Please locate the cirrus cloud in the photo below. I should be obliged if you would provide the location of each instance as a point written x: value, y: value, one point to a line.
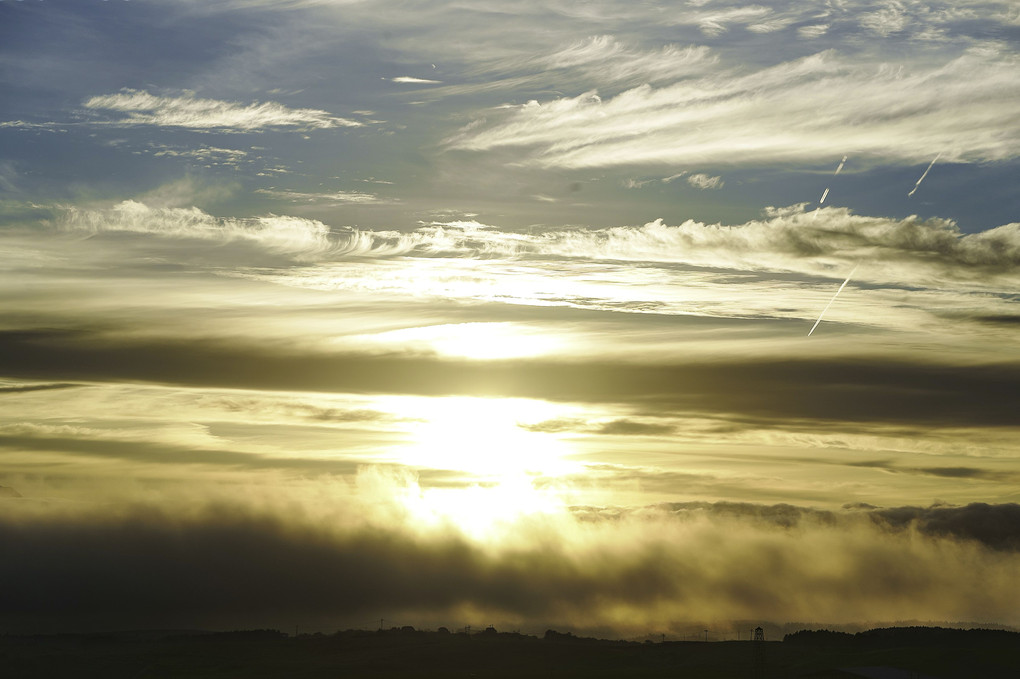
x: 275, y: 233
x: 795, y: 111
x: 188, y: 111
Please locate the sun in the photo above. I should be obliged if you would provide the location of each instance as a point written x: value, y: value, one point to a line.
x: 487, y: 437
x: 502, y: 468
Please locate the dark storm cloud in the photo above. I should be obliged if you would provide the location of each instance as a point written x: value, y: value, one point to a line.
x: 224, y: 564
x: 994, y: 526
x: 997, y: 526
x: 864, y: 389
x: 231, y: 565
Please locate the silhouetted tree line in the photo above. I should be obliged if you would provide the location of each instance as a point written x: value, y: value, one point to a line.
x: 904, y: 636
x: 243, y: 635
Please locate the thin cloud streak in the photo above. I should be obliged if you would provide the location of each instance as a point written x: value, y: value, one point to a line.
x: 188, y: 111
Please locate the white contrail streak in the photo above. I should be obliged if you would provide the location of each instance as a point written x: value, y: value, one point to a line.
x: 838, y: 168
x: 833, y: 299
x: 924, y: 175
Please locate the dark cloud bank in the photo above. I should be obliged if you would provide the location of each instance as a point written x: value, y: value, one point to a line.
x: 849, y: 389
x: 227, y: 566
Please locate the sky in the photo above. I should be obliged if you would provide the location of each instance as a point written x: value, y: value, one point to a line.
x: 614, y: 317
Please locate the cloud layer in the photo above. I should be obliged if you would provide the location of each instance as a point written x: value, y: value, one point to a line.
x: 808, y: 110
x: 231, y: 564
x: 825, y: 390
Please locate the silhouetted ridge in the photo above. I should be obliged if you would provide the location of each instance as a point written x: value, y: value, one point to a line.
x: 904, y: 636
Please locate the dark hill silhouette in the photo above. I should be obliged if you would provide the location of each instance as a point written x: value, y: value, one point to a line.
x: 405, y: 652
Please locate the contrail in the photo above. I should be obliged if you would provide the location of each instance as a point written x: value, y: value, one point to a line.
x: 840, y: 167
x: 924, y: 175
x: 833, y: 299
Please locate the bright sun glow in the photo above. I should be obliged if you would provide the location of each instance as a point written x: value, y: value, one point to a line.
x: 486, y: 437
x: 510, y: 470
x: 481, y: 512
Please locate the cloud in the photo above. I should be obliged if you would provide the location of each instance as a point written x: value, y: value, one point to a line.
x: 6, y: 388
x: 713, y: 23
x: 209, y: 154
x: 187, y: 111
x: 230, y: 563
x: 1004, y: 319
x: 278, y: 234
x: 336, y: 197
x: 137, y: 453
x: 836, y: 392
x: 632, y: 428
x: 813, y: 31
x: 886, y: 21
x: 943, y: 472
x: 41, y: 127
x: 807, y: 110
x: 616, y: 427
x: 608, y: 59
x: 909, y: 251
x: 703, y: 181
x: 997, y: 526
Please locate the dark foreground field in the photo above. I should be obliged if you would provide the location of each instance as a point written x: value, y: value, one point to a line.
x: 883, y: 654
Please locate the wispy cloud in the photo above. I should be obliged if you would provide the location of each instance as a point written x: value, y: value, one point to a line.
x: 281, y: 234
x: 703, y: 181
x: 798, y: 110
x: 335, y: 197
x: 188, y: 111
x: 23, y: 125
x: 207, y: 154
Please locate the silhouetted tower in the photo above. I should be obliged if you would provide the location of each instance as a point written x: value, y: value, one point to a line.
x: 759, y: 653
